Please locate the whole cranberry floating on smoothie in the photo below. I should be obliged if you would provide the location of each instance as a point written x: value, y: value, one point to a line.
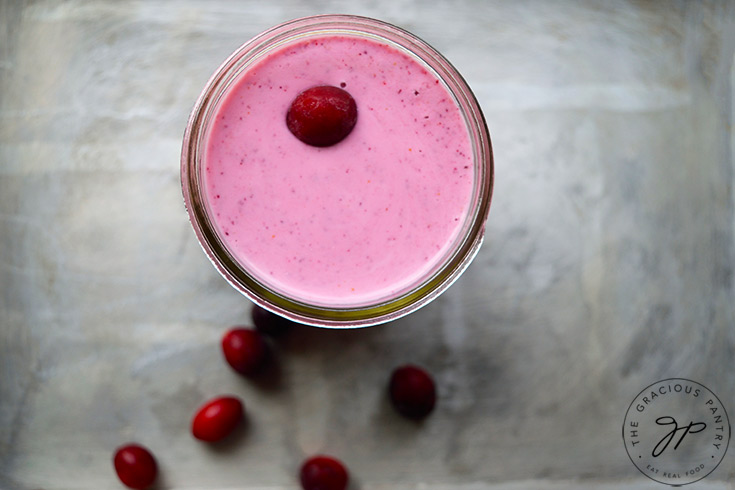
x: 217, y: 418
x: 412, y: 391
x: 245, y: 350
x: 323, y: 473
x: 322, y: 116
x: 135, y: 466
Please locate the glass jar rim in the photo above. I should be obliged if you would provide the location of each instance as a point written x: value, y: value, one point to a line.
x: 429, y: 287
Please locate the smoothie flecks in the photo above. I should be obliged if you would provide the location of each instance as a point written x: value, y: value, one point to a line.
x: 347, y: 224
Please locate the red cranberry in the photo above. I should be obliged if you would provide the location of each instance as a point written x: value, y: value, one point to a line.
x: 412, y: 391
x: 269, y: 323
x: 245, y: 350
x: 217, y: 418
x: 135, y: 466
x: 323, y: 473
x: 322, y: 116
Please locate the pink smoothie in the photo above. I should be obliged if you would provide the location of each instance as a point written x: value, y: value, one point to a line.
x: 356, y: 222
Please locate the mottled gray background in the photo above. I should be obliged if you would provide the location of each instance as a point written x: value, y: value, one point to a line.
x: 608, y: 263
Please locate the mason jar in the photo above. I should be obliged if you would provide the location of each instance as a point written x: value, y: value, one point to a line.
x: 319, y: 250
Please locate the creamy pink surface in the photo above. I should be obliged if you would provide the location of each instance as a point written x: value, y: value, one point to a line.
x: 355, y: 222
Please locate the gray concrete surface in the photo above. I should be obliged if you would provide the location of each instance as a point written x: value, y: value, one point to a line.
x: 608, y: 263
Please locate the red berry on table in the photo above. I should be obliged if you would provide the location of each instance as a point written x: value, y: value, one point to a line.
x: 323, y: 473
x: 269, y: 323
x: 412, y: 391
x: 322, y: 116
x: 245, y: 350
x: 135, y: 466
x: 217, y: 418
